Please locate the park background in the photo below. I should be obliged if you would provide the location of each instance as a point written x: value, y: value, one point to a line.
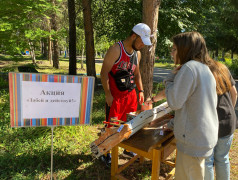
x: 72, y: 37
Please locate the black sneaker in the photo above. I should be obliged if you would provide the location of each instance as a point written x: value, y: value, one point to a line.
x: 131, y: 154
x: 106, y: 159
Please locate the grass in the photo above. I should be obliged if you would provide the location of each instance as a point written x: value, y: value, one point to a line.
x: 25, y: 152
x: 164, y: 65
x: 42, y: 66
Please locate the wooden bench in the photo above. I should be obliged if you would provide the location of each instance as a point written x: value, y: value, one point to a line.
x: 146, y: 143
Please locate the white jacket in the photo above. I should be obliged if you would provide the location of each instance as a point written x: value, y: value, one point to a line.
x: 192, y: 94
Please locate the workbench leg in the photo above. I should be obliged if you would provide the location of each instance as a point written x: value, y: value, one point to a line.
x: 156, y: 159
x: 114, y: 162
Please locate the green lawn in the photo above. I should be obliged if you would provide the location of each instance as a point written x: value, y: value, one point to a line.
x: 7, y: 64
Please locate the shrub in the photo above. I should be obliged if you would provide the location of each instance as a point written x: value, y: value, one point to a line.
x: 233, y: 66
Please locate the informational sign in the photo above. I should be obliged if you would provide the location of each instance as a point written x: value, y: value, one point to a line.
x: 50, y: 100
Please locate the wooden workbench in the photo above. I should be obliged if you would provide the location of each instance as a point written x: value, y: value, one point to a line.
x: 146, y: 143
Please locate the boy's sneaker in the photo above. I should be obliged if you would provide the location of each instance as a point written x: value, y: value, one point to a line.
x: 129, y: 153
x: 106, y: 159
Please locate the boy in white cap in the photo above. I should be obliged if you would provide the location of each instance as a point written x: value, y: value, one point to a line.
x: 120, y: 74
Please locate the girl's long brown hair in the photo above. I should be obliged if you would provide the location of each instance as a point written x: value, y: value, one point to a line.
x: 222, y: 77
x: 192, y: 46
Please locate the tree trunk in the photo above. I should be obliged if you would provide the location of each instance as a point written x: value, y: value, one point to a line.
x: 56, y: 54
x: 33, y: 56
x: 216, y: 54
x: 232, y: 54
x: 88, y: 30
x: 49, y: 45
x: 42, y: 46
x: 72, y: 38
x: 150, y: 17
x: 45, y: 48
x: 49, y: 49
x: 223, y: 55
x: 55, y: 39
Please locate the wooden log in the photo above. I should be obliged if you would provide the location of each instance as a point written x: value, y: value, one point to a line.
x: 114, y: 135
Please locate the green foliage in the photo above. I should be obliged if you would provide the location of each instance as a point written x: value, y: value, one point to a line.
x: 174, y: 17
x: 219, y: 26
x: 228, y: 62
x: 25, y: 21
x: 80, y: 42
x: 18, y: 23
x: 3, y: 81
x: 102, y: 44
x: 233, y: 67
x: 116, y: 18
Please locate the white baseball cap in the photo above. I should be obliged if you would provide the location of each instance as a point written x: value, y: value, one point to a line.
x: 144, y: 32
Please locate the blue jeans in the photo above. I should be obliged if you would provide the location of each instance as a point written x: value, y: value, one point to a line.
x: 220, y: 158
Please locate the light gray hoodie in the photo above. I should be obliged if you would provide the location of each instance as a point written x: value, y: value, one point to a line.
x: 192, y: 94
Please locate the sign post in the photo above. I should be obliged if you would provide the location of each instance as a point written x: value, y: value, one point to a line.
x: 51, y: 164
x: 39, y: 100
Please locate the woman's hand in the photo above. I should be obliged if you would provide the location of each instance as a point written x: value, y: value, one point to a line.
x: 148, y: 101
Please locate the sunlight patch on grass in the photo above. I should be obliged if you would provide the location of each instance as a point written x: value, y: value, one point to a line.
x: 164, y: 65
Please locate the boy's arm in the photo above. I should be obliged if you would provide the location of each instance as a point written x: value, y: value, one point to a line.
x: 111, y: 56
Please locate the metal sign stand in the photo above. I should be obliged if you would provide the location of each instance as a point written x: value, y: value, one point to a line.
x: 51, y: 173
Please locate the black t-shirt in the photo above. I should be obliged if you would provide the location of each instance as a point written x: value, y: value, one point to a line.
x: 226, y: 114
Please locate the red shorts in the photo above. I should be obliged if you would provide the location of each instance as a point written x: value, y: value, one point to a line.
x: 121, y: 106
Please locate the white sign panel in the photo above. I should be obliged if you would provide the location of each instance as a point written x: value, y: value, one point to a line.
x: 52, y: 99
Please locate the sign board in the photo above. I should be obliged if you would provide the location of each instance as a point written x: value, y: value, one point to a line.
x: 50, y: 100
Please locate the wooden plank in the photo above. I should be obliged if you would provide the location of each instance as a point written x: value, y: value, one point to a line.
x: 108, y: 140
x: 124, y: 166
x: 149, y: 137
x: 112, y: 137
x: 137, y: 151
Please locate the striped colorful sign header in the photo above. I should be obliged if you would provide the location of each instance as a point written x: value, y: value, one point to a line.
x: 50, y: 100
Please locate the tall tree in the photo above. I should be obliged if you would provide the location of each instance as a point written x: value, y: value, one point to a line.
x: 72, y: 38
x: 54, y: 27
x: 150, y: 17
x: 88, y: 29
